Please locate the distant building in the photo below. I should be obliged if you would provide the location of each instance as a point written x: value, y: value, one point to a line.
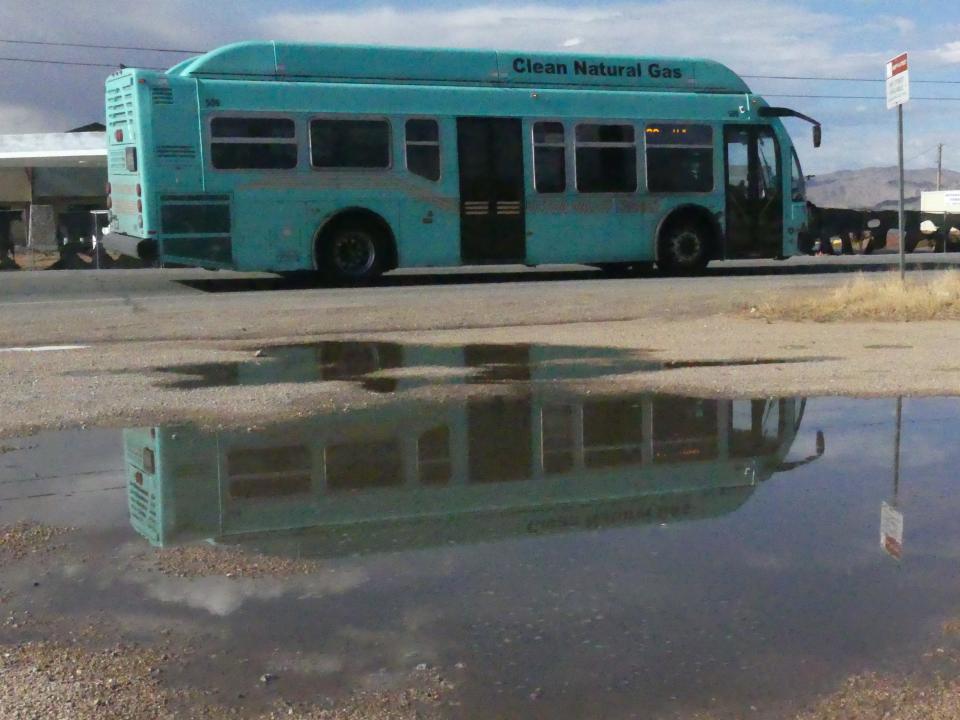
x: 49, y: 183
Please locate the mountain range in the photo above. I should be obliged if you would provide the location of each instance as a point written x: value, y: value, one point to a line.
x: 875, y: 188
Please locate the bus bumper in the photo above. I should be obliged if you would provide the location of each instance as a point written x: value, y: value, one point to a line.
x: 143, y: 248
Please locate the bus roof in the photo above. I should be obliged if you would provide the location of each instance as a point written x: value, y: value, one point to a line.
x: 269, y: 60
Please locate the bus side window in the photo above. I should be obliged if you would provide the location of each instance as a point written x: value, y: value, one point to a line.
x: 253, y: 143
x: 423, y: 148
x: 679, y: 158
x: 549, y: 162
x: 606, y: 157
x: 350, y: 143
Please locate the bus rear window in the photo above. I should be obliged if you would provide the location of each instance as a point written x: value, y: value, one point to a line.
x: 253, y: 143
x: 679, y: 158
x: 350, y: 143
x: 606, y: 157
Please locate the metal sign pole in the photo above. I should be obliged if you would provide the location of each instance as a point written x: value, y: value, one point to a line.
x: 898, y: 93
x: 903, y: 238
x: 896, y: 451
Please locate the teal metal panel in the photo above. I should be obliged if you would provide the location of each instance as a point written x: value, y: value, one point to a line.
x: 361, y: 63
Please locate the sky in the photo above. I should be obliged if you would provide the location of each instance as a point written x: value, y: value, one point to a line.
x: 838, y: 38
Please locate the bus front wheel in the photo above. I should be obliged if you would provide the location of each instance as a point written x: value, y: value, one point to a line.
x: 352, y: 251
x: 684, y: 247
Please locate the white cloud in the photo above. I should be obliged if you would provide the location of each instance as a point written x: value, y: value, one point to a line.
x: 949, y: 53
x: 222, y: 596
x: 17, y: 118
x: 752, y: 36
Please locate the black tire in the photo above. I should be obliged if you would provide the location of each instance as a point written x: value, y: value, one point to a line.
x: 353, y: 251
x: 684, y: 247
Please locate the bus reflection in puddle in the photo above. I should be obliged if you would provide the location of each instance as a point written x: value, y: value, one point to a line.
x: 412, y: 475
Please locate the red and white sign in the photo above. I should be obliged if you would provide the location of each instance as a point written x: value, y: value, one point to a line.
x: 898, y: 81
x: 891, y: 531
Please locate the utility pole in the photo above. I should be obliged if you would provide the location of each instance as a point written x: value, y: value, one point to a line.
x: 939, y: 164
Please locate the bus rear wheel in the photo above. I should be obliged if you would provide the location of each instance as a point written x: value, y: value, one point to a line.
x: 683, y: 247
x: 353, y: 251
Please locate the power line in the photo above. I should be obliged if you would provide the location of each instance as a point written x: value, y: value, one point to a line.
x: 138, y: 48
x: 75, y: 63
x: 920, y: 154
x: 99, y: 47
x: 850, y: 97
x: 806, y: 96
x: 843, y: 79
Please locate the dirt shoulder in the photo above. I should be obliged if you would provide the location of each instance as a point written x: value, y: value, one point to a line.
x: 120, y: 384
x: 694, y: 336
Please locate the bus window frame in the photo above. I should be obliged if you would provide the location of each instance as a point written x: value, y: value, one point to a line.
x: 606, y: 121
x: 796, y: 166
x: 210, y: 140
x: 406, y: 145
x: 778, y: 156
x: 355, y: 116
x: 566, y: 156
x: 713, y: 146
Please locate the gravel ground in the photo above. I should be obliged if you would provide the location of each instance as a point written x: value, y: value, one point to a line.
x: 57, y: 680
x: 22, y: 540
x: 68, y: 680
x: 207, y: 561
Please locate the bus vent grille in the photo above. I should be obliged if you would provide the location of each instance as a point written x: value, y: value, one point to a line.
x: 176, y: 151
x: 162, y: 95
x: 119, y: 107
x: 117, y: 159
x: 143, y: 510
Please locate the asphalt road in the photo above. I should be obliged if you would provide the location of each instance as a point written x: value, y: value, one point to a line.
x: 79, y: 287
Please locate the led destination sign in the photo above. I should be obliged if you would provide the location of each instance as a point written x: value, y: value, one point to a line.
x: 591, y: 68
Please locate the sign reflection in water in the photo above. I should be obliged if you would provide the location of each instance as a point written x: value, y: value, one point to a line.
x: 408, y: 474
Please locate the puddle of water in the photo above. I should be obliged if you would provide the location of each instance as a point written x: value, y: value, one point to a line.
x: 386, y: 367
x: 570, y: 553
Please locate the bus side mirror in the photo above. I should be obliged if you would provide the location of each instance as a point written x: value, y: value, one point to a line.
x: 817, y: 136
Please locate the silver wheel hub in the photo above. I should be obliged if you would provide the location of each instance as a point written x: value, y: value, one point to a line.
x: 354, y: 252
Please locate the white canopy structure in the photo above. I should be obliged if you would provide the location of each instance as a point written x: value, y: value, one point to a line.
x: 78, y: 149
x: 49, y: 183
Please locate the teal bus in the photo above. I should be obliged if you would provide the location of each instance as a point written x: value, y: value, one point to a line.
x: 351, y: 161
x: 408, y: 475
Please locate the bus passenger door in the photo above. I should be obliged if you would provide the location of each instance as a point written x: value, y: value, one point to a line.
x: 490, y: 155
x: 754, y: 206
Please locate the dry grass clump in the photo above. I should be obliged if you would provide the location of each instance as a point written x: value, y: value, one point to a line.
x: 930, y: 297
